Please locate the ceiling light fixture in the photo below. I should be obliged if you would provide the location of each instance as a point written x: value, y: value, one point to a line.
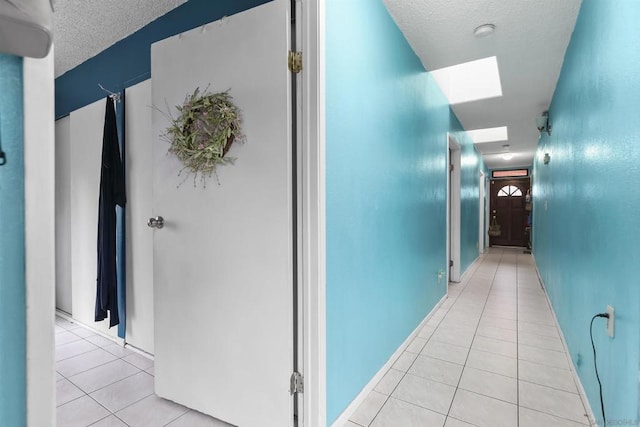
x: 484, y: 30
x: 507, y: 155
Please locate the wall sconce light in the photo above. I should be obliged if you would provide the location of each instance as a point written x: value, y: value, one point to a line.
x: 543, y: 124
x: 546, y: 159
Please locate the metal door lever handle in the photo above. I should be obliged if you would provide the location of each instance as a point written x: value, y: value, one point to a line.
x: 157, y: 222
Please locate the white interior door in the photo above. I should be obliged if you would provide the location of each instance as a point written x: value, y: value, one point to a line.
x: 223, y: 298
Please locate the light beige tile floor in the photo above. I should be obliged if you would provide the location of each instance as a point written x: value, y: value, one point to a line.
x: 490, y: 356
x: 102, y: 384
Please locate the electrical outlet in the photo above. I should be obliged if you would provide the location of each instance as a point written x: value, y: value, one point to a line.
x: 610, y: 321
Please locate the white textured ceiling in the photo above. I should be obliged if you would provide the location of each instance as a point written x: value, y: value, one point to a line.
x: 84, y: 28
x: 529, y: 41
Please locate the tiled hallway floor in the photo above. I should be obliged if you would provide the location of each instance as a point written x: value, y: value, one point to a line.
x: 490, y: 356
x: 101, y: 384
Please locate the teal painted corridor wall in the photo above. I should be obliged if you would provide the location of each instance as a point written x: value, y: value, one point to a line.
x: 386, y: 175
x: 471, y: 165
x: 586, y: 202
x: 12, y: 248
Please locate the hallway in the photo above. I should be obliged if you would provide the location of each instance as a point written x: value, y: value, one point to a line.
x: 491, y: 355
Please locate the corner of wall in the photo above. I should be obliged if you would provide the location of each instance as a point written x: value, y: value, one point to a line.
x: 39, y: 152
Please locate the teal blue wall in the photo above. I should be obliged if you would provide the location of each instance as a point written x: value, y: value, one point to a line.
x: 471, y: 165
x: 586, y: 240
x: 12, y: 249
x: 386, y: 174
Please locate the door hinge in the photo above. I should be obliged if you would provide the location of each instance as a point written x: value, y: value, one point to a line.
x: 450, y: 263
x: 295, y: 62
x: 297, y: 383
x: 451, y: 168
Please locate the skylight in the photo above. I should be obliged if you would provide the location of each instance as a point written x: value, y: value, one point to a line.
x: 470, y: 81
x: 489, y: 134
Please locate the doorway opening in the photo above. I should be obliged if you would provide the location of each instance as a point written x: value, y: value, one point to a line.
x: 482, y: 210
x: 509, y: 208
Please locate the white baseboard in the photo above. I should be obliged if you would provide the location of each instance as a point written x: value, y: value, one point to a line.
x: 472, y: 267
x: 353, y: 406
x: 574, y: 372
x: 116, y: 340
x: 66, y: 316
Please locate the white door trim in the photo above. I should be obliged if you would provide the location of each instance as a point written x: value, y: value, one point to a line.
x: 39, y: 226
x: 453, y: 209
x: 313, y: 217
x: 487, y: 207
x: 481, y: 204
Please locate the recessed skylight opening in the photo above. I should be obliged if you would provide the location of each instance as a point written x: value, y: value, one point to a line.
x: 470, y: 81
x: 489, y: 134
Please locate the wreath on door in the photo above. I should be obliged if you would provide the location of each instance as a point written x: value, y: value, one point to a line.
x: 200, y: 137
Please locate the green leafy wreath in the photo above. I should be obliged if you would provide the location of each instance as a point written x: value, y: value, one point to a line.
x: 203, y: 132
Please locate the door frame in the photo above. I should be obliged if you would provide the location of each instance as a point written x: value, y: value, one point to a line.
x: 487, y: 211
x: 311, y: 81
x: 481, y: 220
x: 39, y: 226
x: 454, y: 155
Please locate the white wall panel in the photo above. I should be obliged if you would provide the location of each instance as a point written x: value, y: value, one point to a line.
x: 139, y: 165
x: 63, y: 213
x: 39, y: 183
x: 87, y: 125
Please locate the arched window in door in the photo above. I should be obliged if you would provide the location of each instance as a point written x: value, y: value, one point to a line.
x: 510, y: 191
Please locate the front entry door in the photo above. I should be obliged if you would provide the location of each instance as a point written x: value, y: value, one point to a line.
x: 223, y: 269
x: 508, y: 205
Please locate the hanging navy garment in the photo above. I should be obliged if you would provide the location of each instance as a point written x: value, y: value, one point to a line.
x: 112, y: 193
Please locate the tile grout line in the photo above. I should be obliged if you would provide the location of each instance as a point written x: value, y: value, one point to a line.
x: 474, y: 336
x: 108, y: 385
x: 517, y: 341
x: 98, y: 347
x: 84, y: 393
x: 89, y: 394
x: 107, y: 409
x: 404, y: 374
x: 565, y: 352
x: 469, y: 292
x: 97, y: 366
